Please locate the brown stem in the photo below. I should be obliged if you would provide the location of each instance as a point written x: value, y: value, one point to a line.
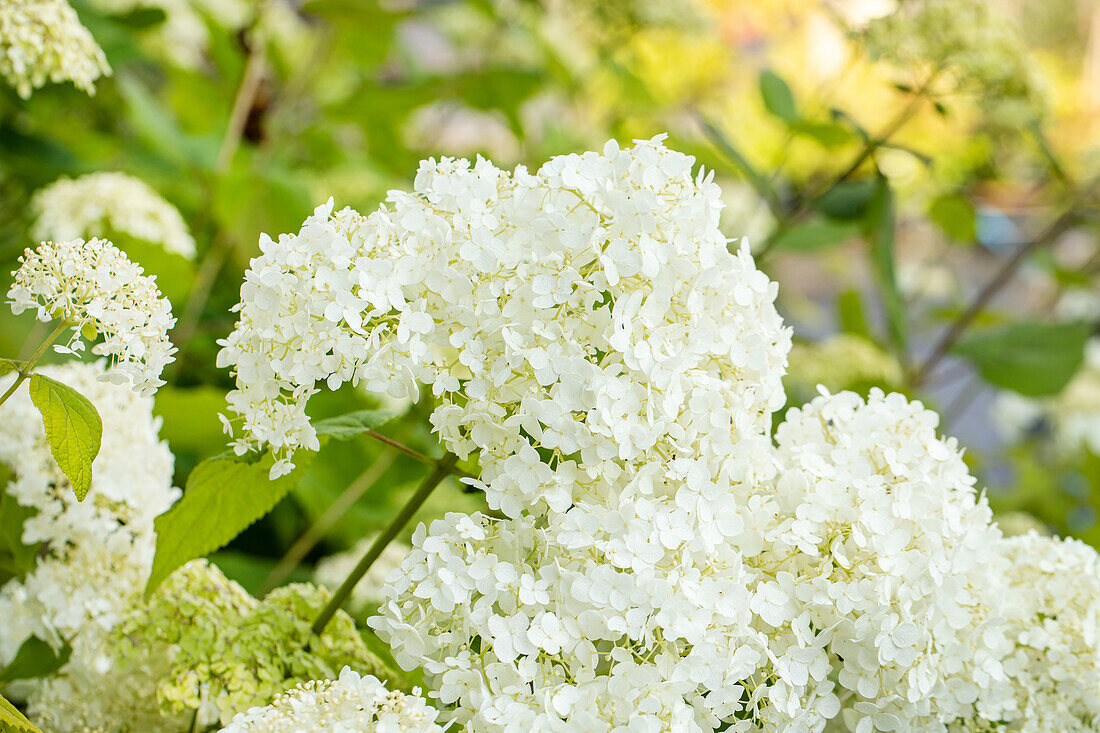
x: 1001, y: 278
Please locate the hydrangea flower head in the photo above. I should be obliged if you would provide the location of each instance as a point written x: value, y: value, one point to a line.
x: 103, y: 204
x: 226, y: 652
x: 882, y: 540
x: 92, y: 284
x: 98, y: 551
x: 587, y: 310
x: 1047, y: 598
x: 43, y: 40
x: 349, y: 704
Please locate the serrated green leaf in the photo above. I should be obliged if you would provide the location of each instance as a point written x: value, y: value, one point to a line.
x: 813, y: 236
x: 35, y: 658
x: 346, y: 427
x: 73, y: 429
x: 224, y: 496
x: 955, y: 216
x: 778, y: 98
x: 1031, y: 358
x: 11, y: 720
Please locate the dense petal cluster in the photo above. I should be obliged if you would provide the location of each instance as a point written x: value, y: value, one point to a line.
x: 105, y: 204
x: 350, y: 704
x: 881, y: 541
x: 100, y: 549
x: 95, y: 555
x: 93, y: 285
x: 589, y: 311
x: 202, y: 649
x: 1048, y: 601
x: 43, y: 40
x: 769, y: 603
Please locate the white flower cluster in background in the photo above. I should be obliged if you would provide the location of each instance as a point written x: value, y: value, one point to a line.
x: 1048, y: 603
x: 332, y: 570
x: 98, y: 552
x: 583, y: 309
x: 102, y: 204
x: 94, y: 285
x: 43, y: 40
x: 352, y: 703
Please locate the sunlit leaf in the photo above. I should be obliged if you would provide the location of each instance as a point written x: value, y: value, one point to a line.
x: 73, y: 429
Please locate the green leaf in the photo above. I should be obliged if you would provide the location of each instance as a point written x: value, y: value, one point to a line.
x: 346, y: 427
x: 778, y: 98
x: 851, y: 314
x: 224, y: 495
x: 35, y: 658
x: 1028, y: 357
x: 829, y: 134
x: 73, y: 429
x: 955, y: 216
x: 846, y: 200
x: 141, y: 18
x: 813, y: 236
x: 7, y: 366
x: 879, y: 230
x: 11, y: 720
x: 12, y: 516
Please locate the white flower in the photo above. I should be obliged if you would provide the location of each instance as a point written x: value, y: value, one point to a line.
x: 94, y: 285
x: 884, y: 542
x: 349, y: 704
x: 43, y: 40
x: 591, y: 310
x: 99, y: 551
x: 1047, y: 598
x: 102, y: 204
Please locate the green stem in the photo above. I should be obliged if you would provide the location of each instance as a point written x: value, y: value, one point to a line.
x: 441, y: 471
x: 25, y: 371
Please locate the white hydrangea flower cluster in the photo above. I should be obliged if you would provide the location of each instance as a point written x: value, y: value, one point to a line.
x: 1048, y: 600
x: 349, y: 704
x: 332, y: 570
x: 662, y: 564
x: 100, y: 549
x: 43, y: 40
x: 97, y: 553
x: 102, y: 204
x: 94, y: 285
x: 881, y: 541
x: 585, y: 309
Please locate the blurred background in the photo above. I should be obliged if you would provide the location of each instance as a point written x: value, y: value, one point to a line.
x: 921, y: 178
